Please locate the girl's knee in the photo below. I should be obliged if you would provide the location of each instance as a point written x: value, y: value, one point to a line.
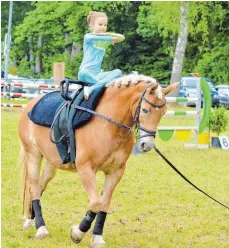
x: 86, y: 76
x: 82, y: 75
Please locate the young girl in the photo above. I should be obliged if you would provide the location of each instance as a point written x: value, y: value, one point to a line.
x: 94, y: 48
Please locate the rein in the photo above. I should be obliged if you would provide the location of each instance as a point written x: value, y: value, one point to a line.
x: 179, y: 173
x: 101, y: 116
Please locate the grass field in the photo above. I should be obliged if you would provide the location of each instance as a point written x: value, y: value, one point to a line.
x: 15, y: 101
x: 152, y: 206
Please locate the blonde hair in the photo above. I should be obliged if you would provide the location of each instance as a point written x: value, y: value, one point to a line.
x: 93, y: 15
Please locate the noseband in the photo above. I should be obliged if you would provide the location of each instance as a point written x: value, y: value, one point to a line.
x: 137, y: 114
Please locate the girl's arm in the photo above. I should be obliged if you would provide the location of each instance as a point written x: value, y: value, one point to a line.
x: 97, y: 37
x: 116, y: 37
x: 112, y: 37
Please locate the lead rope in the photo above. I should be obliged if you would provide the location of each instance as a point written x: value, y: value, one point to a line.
x: 177, y: 171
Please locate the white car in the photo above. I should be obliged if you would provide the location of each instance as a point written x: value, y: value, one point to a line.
x: 223, y: 89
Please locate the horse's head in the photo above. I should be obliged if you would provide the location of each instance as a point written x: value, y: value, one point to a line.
x: 151, y: 107
x: 148, y: 105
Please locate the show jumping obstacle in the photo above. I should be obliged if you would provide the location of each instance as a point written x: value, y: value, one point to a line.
x: 183, y: 132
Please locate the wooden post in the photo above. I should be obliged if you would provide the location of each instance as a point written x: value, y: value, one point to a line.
x: 58, y: 72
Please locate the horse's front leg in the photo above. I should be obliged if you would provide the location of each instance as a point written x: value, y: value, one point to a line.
x: 111, y: 181
x: 88, y: 180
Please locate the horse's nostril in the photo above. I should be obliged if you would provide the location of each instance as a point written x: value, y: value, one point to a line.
x: 142, y: 145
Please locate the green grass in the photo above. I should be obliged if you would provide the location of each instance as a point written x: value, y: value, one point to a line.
x: 15, y: 101
x: 152, y: 206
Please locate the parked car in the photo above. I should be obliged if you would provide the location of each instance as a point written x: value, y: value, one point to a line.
x: 223, y: 89
x: 218, y: 99
x: 182, y: 92
x: 189, y: 85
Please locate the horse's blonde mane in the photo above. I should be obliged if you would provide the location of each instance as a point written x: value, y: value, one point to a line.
x: 130, y: 79
x: 134, y: 79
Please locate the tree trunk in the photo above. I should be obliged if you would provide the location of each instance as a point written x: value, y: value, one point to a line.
x: 72, y: 49
x: 31, y: 56
x: 68, y: 47
x: 180, y: 46
x: 38, y: 56
x: 75, y: 49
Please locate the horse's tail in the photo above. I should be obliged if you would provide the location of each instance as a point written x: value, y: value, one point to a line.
x: 25, y: 184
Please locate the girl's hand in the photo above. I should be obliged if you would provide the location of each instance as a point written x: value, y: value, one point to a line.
x: 115, y: 40
x: 116, y: 37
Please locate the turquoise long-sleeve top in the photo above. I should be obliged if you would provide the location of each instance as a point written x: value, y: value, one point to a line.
x: 94, y: 48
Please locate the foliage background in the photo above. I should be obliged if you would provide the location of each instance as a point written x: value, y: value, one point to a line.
x: 150, y: 28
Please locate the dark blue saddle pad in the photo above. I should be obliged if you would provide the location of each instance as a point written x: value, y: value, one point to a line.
x: 44, y: 110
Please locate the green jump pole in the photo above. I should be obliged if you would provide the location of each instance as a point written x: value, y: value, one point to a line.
x: 206, y: 106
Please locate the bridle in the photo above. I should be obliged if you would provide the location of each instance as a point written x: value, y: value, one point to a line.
x: 137, y: 114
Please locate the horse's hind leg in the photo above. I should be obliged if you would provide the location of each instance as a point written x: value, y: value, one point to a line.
x: 48, y: 174
x: 32, y: 191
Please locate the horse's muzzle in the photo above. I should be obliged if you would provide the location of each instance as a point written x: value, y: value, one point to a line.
x: 145, y: 145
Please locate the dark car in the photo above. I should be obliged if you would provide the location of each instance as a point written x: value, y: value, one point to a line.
x: 217, y: 98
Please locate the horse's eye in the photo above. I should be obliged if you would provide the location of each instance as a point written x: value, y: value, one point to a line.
x: 145, y: 110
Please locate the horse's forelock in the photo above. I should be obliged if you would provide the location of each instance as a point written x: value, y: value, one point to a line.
x: 130, y: 79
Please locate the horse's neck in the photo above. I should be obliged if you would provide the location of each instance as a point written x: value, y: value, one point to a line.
x: 120, y: 104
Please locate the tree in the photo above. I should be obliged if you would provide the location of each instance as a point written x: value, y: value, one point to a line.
x: 159, y: 23
x: 151, y: 29
x: 19, y: 11
x: 181, y: 43
x: 209, y: 33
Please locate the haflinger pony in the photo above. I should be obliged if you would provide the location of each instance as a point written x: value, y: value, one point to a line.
x: 132, y: 100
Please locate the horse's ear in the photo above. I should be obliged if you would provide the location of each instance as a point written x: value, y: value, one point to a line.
x: 170, y: 88
x: 153, y: 88
x: 156, y: 88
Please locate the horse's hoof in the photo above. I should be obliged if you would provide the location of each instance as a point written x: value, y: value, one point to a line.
x: 42, y: 233
x: 98, y: 245
x: 76, y: 234
x: 98, y: 241
x: 28, y: 224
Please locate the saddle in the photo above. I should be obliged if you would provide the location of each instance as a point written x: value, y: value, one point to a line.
x: 58, y: 111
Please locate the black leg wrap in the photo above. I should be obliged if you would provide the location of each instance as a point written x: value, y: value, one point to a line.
x: 38, y: 213
x: 32, y: 212
x: 85, y: 224
x: 99, y: 224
